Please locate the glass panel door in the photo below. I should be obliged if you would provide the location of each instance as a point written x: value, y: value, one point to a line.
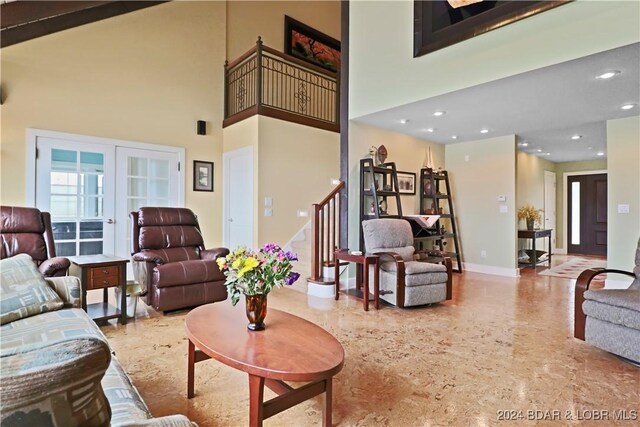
x: 74, y: 184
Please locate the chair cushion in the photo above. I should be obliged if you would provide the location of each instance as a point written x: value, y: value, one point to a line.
x: 24, y: 290
x: 405, y: 252
x: 186, y: 273
x: 166, y: 216
x: 383, y: 234
x: 419, y: 273
x: 124, y: 399
x: 170, y: 236
x: 21, y: 220
x: 619, y: 306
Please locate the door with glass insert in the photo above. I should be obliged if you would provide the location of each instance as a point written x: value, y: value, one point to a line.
x: 75, y: 183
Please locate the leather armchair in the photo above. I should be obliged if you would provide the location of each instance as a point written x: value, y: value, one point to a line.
x: 28, y: 231
x: 405, y: 281
x: 170, y: 262
x: 609, y: 318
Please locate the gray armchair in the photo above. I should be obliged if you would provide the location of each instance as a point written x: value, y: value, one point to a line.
x: 609, y: 318
x: 404, y: 281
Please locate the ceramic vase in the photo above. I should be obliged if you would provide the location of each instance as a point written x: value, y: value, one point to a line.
x: 256, y: 306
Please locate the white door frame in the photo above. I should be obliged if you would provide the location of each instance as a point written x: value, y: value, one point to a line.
x: 565, y: 181
x: 549, y: 175
x: 32, y: 140
x: 227, y: 190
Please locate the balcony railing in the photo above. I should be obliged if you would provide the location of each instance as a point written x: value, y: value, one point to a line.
x: 267, y: 82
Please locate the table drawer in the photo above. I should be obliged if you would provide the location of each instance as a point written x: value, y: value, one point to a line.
x: 104, y: 277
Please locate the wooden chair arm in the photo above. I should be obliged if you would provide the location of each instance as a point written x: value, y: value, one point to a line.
x: 447, y: 263
x: 399, y: 275
x: 582, y: 285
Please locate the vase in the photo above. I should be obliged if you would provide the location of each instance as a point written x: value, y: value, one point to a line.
x: 530, y: 224
x: 256, y: 306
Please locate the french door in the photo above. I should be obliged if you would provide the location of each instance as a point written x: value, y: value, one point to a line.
x: 90, y: 188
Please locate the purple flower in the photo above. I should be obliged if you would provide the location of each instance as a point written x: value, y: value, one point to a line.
x: 270, y: 248
x: 291, y: 256
x: 292, y: 277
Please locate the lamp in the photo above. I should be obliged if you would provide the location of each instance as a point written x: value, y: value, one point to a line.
x: 460, y: 3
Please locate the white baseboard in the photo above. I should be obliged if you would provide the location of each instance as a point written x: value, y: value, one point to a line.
x: 321, y: 291
x: 559, y: 251
x: 490, y: 269
x: 617, y: 284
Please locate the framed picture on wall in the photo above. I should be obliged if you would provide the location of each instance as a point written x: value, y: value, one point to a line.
x: 406, y: 182
x: 202, y: 175
x: 309, y: 44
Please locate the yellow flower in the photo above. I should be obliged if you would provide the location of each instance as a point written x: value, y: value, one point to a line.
x: 248, y: 265
x: 221, y: 262
x: 237, y: 263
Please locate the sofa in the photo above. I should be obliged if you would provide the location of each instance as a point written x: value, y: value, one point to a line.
x: 57, y: 366
x: 170, y: 262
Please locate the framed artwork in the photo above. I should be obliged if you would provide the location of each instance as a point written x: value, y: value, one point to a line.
x: 202, y: 175
x: 438, y: 24
x: 308, y: 44
x: 406, y: 182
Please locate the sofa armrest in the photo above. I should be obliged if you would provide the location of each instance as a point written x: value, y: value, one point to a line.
x: 155, y: 257
x: 56, y: 266
x: 68, y: 289
x: 213, y: 253
x: 167, y: 421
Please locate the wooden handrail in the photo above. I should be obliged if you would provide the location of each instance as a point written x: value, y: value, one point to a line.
x: 325, y: 228
x: 241, y: 58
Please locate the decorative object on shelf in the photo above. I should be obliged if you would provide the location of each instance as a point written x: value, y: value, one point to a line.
x: 428, y: 188
x: 530, y: 214
x: 382, y: 154
x: 255, y: 274
x: 429, y: 161
x: 202, y: 175
x: 388, y: 187
x: 309, y: 44
x: 373, y: 154
x: 382, y: 205
x: 406, y: 182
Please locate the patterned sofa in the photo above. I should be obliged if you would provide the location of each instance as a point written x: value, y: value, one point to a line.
x: 58, y: 368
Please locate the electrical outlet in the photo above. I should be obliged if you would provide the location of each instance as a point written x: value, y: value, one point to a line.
x: 466, y: 158
x: 302, y: 214
x: 268, y: 212
x: 483, y: 253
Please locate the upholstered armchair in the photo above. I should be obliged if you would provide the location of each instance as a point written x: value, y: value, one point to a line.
x: 609, y: 318
x: 170, y: 262
x: 404, y: 281
x: 28, y: 231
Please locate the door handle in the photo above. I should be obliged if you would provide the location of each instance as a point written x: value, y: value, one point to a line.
x: 109, y: 221
x: 230, y: 219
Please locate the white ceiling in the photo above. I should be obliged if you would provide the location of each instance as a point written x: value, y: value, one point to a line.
x: 543, y: 107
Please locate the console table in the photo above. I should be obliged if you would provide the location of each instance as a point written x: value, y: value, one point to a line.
x: 533, y: 235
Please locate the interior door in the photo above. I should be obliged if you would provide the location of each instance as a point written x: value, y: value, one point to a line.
x: 75, y: 183
x: 238, y: 198
x: 550, y: 205
x: 587, y: 214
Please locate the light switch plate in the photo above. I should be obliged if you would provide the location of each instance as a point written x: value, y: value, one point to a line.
x: 268, y: 212
x: 504, y: 209
x: 302, y: 214
x: 268, y: 201
x: 623, y: 209
x: 502, y: 198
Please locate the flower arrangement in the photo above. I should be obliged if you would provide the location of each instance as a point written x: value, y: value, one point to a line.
x: 530, y: 214
x: 257, y: 273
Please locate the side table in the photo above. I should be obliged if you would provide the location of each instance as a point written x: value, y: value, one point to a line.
x: 101, y: 272
x: 362, y: 262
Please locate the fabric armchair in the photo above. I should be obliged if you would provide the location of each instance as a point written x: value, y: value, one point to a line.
x: 28, y: 231
x: 405, y: 281
x: 170, y: 262
x: 609, y: 318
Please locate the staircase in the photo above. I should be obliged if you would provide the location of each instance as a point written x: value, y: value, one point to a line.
x: 301, y: 245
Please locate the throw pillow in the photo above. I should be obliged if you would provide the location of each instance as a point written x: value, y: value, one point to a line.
x: 24, y: 291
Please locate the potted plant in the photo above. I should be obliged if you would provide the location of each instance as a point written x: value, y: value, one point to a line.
x: 530, y: 214
x: 255, y: 274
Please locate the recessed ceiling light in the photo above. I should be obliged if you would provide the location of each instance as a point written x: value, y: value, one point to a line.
x: 608, y: 75
x: 454, y: 137
x: 539, y: 150
x: 574, y: 137
x: 590, y: 148
x: 439, y: 113
x: 404, y: 121
x: 628, y: 106
x: 484, y: 131
x: 430, y: 129
x: 600, y: 153
x: 548, y: 154
x: 525, y: 144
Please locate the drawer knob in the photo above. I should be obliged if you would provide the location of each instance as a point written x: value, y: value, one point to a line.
x: 105, y: 272
x: 106, y: 282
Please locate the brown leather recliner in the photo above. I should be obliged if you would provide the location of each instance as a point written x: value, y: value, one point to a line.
x: 170, y: 262
x: 28, y: 231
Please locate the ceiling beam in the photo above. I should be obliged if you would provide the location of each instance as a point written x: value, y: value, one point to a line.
x: 25, y: 20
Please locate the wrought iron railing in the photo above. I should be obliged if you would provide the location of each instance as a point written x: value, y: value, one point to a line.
x: 265, y: 81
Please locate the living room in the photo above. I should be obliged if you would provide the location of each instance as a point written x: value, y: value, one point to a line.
x: 142, y: 81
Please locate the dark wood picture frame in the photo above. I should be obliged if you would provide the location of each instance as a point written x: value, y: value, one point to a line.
x: 401, y: 187
x: 202, y: 176
x: 428, y: 38
x: 326, y: 54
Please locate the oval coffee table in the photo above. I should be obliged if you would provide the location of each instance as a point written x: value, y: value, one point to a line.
x: 289, y: 349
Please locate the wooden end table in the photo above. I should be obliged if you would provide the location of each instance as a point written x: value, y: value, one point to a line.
x: 289, y: 349
x: 533, y: 235
x: 362, y: 279
x: 101, y: 272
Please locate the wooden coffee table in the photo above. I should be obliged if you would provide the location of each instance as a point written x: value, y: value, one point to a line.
x: 289, y: 349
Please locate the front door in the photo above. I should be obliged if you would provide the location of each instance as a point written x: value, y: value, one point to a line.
x: 587, y: 214
x: 238, y: 198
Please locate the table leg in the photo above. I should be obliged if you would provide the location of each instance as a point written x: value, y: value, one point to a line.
x: 376, y: 284
x: 123, y: 296
x: 365, y: 285
x: 256, y: 397
x: 191, y: 362
x: 358, y: 276
x: 535, y: 254
x: 549, y: 250
x: 336, y: 275
x: 328, y: 404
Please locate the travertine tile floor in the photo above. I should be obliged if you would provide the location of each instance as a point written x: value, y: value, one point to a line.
x: 500, y: 345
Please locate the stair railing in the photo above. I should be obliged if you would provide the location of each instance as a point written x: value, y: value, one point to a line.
x: 325, y: 225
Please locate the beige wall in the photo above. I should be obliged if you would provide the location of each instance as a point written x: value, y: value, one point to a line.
x: 246, y: 20
x: 561, y: 169
x: 381, y: 49
x: 623, y: 159
x: 145, y: 76
x: 481, y: 171
x: 409, y: 155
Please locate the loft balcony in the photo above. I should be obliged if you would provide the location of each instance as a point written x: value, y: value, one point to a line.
x: 267, y: 82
